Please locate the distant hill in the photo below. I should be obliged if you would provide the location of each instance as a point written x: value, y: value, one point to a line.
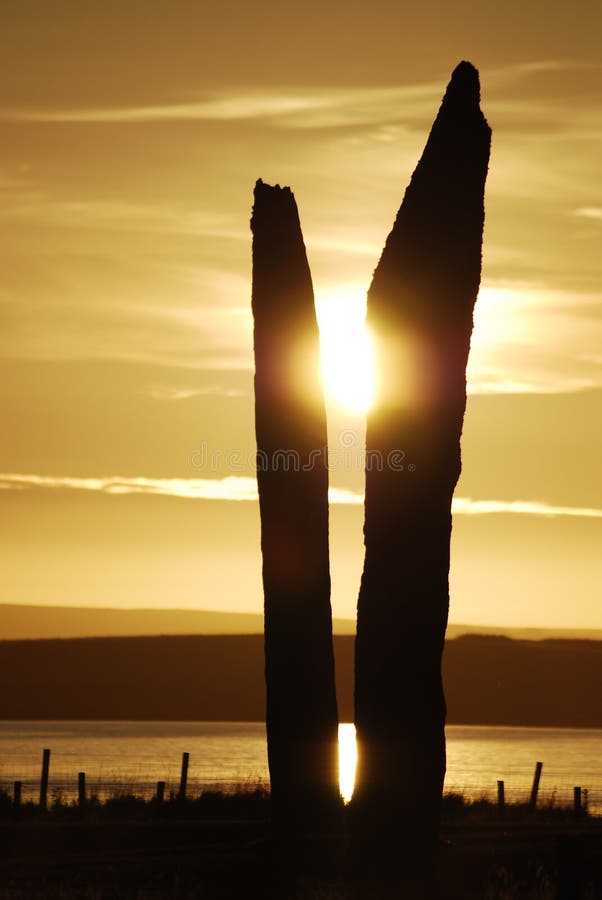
x: 18, y: 622
x: 26, y: 622
x: 488, y: 680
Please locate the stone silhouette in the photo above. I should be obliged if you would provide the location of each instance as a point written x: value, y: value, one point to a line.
x: 420, y: 312
x: 292, y: 474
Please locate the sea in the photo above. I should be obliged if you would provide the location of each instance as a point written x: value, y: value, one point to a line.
x: 131, y: 757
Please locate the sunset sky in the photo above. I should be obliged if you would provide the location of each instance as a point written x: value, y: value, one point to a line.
x: 131, y: 135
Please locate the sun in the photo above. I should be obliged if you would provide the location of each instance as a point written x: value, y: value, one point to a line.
x: 346, y: 348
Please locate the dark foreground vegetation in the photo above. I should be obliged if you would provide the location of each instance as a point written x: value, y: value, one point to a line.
x: 221, y: 845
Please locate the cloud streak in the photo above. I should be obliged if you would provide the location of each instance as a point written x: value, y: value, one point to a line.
x: 244, y: 489
x: 318, y: 107
x: 308, y: 109
x: 589, y: 212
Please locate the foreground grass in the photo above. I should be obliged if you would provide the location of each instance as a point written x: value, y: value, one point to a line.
x: 252, y: 801
x: 218, y: 846
x: 248, y: 801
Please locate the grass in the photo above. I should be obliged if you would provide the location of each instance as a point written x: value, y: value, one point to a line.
x: 215, y: 802
x: 251, y: 800
x: 456, y: 808
x: 216, y: 846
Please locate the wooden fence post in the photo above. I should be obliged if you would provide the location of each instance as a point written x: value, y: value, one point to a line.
x: 500, y: 799
x: 160, y: 791
x: 44, y: 779
x: 17, y: 787
x: 577, y: 801
x: 81, y: 788
x: 535, y: 788
x: 184, y: 776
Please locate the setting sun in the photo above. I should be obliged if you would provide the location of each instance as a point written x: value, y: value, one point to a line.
x: 347, y: 354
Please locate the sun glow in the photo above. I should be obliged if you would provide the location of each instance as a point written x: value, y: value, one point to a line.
x: 346, y: 348
x: 347, y: 760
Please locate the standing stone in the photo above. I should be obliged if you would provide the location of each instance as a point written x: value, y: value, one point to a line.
x: 292, y: 474
x: 420, y: 312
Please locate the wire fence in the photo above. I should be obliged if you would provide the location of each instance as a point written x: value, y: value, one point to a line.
x: 66, y: 789
x: 560, y: 795
x: 49, y: 787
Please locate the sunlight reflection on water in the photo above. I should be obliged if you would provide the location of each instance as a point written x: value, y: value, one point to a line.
x: 135, y: 755
x: 347, y: 760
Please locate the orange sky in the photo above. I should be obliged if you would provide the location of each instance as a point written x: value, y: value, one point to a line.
x: 130, y: 140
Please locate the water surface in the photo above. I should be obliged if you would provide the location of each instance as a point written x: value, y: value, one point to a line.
x: 135, y: 755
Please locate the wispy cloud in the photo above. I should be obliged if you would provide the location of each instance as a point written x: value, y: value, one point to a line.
x: 312, y: 108
x: 589, y: 212
x: 230, y: 488
x: 244, y: 489
x: 318, y: 107
x: 233, y: 107
x: 466, y: 506
x: 162, y: 392
x: 39, y: 206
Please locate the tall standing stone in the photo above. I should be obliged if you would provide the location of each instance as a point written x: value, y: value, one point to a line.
x: 292, y: 474
x: 420, y: 312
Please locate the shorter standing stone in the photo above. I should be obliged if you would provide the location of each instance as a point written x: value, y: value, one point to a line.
x: 292, y: 475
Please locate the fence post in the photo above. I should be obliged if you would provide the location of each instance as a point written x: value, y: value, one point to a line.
x: 160, y: 791
x: 184, y: 776
x: 500, y: 799
x: 17, y: 794
x: 577, y: 801
x: 535, y: 788
x: 81, y: 788
x: 44, y: 779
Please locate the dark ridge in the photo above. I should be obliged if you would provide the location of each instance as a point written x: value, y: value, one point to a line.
x: 489, y: 680
x: 22, y: 622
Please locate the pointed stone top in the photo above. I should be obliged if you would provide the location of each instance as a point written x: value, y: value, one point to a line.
x: 465, y: 69
x: 464, y: 87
